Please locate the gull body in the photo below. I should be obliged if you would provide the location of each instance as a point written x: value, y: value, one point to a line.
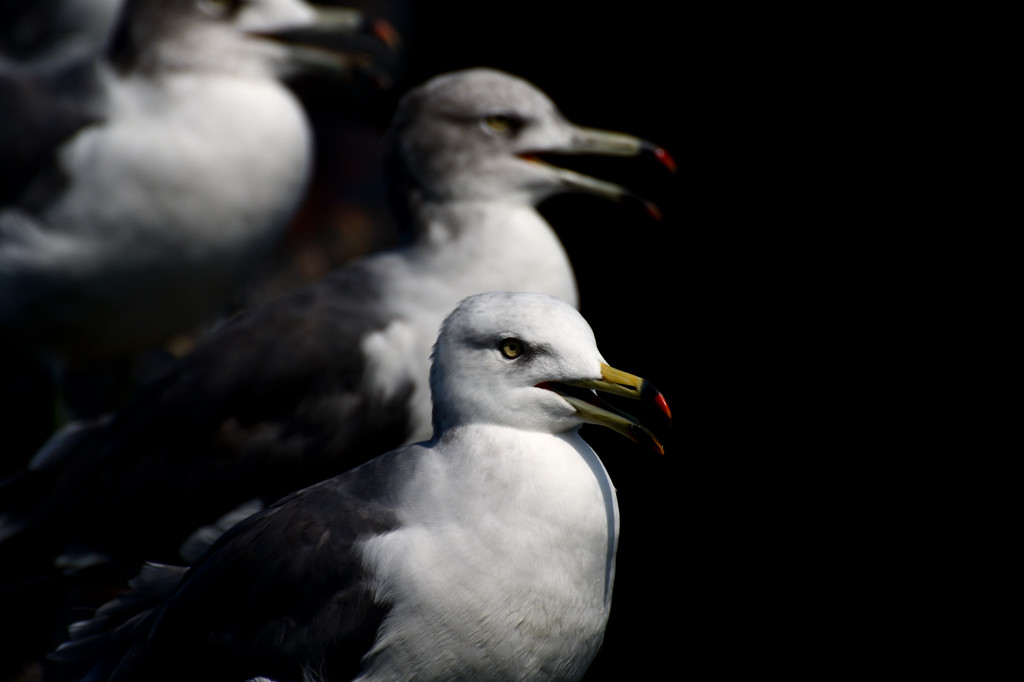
x: 486, y: 552
x: 142, y: 187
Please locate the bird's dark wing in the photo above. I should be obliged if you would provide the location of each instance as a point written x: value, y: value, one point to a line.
x: 269, y: 404
x: 281, y: 592
x: 41, y: 110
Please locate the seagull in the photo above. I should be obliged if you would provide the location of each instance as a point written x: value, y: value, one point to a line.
x: 313, y: 383
x: 141, y: 187
x: 486, y: 552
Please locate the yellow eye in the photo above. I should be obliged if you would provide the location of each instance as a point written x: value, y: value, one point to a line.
x: 499, y: 123
x: 511, y: 348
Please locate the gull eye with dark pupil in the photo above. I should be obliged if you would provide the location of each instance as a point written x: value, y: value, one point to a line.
x: 500, y: 123
x: 511, y: 348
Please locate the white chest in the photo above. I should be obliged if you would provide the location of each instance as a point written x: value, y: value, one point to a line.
x: 509, y: 581
x: 203, y: 166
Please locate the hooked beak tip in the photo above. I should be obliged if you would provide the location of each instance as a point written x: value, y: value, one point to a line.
x: 386, y: 33
x: 663, y: 406
x: 662, y: 155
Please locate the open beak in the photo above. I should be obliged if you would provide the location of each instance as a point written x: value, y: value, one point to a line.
x: 314, y: 43
x: 333, y: 23
x: 605, y: 143
x: 581, y: 395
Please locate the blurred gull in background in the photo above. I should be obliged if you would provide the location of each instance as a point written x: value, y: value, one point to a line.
x: 160, y: 175
x: 143, y: 184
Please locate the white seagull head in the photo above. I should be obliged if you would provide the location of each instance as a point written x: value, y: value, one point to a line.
x: 538, y: 367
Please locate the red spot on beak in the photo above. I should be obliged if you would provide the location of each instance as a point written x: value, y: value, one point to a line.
x: 386, y: 33
x: 663, y: 404
x: 665, y: 158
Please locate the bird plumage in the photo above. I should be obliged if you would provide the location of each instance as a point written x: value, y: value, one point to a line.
x: 317, y: 381
x: 163, y: 172
x: 486, y: 552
